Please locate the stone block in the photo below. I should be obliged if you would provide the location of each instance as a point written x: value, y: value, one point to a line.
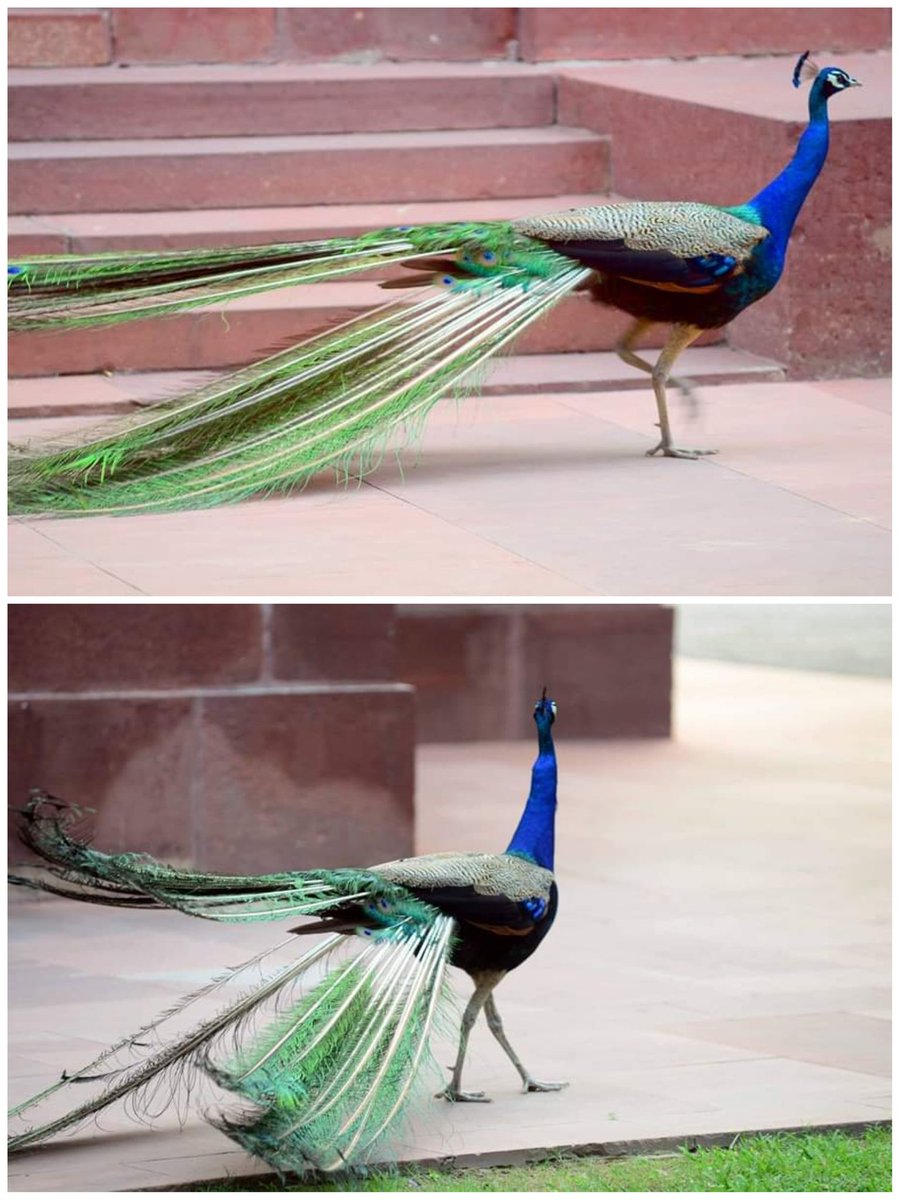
x: 610, y: 33
x: 100, y: 647
x: 291, y: 781
x: 57, y: 38
x: 477, y: 670
x: 371, y: 34
x: 458, y: 659
x: 608, y: 666
x: 132, y: 761
x: 193, y: 35
x: 255, y: 781
x: 333, y: 641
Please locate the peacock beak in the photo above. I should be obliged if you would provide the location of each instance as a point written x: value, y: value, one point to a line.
x: 851, y: 82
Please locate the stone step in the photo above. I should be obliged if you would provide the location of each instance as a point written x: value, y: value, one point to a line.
x: 227, y: 335
x: 56, y: 233
x: 552, y: 374
x: 728, y: 126
x: 259, y: 99
x: 192, y: 173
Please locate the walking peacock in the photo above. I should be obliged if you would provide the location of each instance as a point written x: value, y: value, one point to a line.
x: 335, y: 399
x: 325, y: 1080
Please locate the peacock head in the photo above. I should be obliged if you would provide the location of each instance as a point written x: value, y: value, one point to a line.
x: 544, y: 713
x: 828, y: 80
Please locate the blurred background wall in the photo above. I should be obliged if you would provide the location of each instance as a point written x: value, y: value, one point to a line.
x: 846, y: 639
x: 282, y: 736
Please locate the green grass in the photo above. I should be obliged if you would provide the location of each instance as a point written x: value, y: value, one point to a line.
x: 814, y: 1162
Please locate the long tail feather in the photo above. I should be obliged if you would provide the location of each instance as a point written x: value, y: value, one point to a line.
x: 174, y: 1060
x: 333, y: 401
x: 137, y: 880
x: 333, y: 1077
x: 71, y: 291
x: 333, y: 1066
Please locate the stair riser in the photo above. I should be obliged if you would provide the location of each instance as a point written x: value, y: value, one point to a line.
x: 65, y: 112
x: 236, y: 180
x: 221, y: 109
x: 210, y: 340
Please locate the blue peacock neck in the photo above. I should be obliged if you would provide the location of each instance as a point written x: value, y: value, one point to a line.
x: 778, y: 204
x: 533, y: 838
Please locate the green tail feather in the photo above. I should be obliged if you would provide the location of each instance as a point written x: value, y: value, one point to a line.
x: 331, y: 1072
x: 137, y: 880
x: 65, y: 291
x: 335, y: 1077
x: 128, y: 1070
x: 333, y: 401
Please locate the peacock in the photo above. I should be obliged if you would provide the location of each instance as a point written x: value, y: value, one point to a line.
x: 337, y: 399
x: 339, y: 1049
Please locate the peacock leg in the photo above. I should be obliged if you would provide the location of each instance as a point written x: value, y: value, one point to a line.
x: 496, y: 1027
x: 484, y: 983
x: 625, y: 351
x: 680, y: 337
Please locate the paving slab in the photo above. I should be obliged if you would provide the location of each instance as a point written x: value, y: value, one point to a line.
x: 721, y: 960
x: 530, y: 495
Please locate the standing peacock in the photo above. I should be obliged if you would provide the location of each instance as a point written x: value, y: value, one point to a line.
x: 328, y: 1074
x: 334, y: 399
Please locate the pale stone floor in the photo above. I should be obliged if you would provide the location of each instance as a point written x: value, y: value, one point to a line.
x: 534, y: 495
x: 720, y: 962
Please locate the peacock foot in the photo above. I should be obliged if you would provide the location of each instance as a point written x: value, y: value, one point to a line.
x: 676, y: 452
x: 535, y: 1085
x: 456, y: 1097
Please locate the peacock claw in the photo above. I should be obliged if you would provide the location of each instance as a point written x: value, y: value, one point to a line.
x: 455, y: 1097
x: 535, y: 1085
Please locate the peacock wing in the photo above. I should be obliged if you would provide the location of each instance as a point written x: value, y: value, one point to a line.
x: 680, y: 244
x: 500, y: 891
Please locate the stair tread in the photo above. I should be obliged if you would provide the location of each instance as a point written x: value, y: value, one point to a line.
x: 321, y: 72
x: 69, y: 395
x: 318, y: 143
x: 755, y: 86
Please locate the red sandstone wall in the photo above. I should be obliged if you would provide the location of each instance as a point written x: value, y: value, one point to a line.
x: 478, y: 669
x: 232, y: 735
x: 268, y: 737
x: 92, y: 37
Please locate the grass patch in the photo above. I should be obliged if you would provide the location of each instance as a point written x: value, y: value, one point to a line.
x: 781, y: 1162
